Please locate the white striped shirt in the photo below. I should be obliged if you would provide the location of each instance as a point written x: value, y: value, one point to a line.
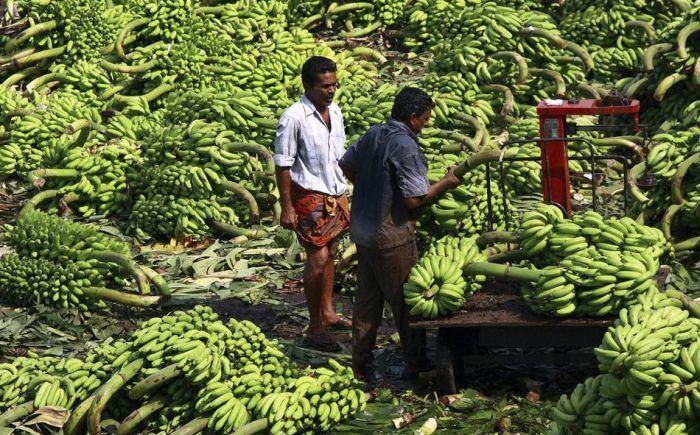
x: 304, y: 144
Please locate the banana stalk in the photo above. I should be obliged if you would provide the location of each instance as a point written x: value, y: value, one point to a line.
x: 16, y: 413
x: 128, y: 69
x: 154, y: 381
x: 38, y: 199
x: 634, y: 173
x: 590, y: 90
x: 687, y: 245
x: 123, y: 298
x: 480, y: 131
x: 236, y: 231
x: 138, y: 416
x: 157, y: 280
x: 149, y: 96
x: 126, y: 264
x: 370, y: 53
x: 508, y: 256
x: 492, y: 237
x: 121, y: 86
x: 562, y: 43
x: 77, y: 417
x: 667, y: 220
x: 311, y: 21
x: 250, y: 147
x: 696, y: 72
x: 651, y: 52
x: 14, y: 57
x: 243, y: 193
x: 193, y: 427
x: 123, y: 33
x: 108, y: 390
x: 509, y: 99
x: 38, y: 57
x: 475, y: 160
x: 38, y: 176
x: 501, y: 271
x: 677, y: 181
x: 645, y: 26
x: 40, y: 81
x: 519, y: 60
x: 559, y: 82
x: 683, y: 36
x: 252, y: 428
x: 666, y: 84
x: 620, y: 142
x: 36, y: 29
x: 21, y: 76
x: 83, y: 124
x: 357, y: 33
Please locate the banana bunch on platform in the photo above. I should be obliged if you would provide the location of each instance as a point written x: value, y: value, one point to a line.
x: 435, y: 287
x: 552, y: 294
x: 536, y: 226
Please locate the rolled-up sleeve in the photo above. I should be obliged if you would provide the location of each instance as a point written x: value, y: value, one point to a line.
x: 286, y: 141
x: 411, y: 174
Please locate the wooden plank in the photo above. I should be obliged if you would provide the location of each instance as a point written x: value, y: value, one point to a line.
x: 474, y: 361
x: 499, y: 303
x: 540, y: 336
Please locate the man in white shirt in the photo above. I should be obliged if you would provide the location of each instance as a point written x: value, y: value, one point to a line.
x: 310, y: 140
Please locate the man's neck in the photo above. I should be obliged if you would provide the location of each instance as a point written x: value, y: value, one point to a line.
x: 319, y: 107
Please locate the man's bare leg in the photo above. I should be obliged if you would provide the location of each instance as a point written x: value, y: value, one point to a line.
x: 328, y: 315
x: 314, y: 282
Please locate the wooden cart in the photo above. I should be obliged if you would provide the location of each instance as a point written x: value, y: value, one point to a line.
x: 497, y: 317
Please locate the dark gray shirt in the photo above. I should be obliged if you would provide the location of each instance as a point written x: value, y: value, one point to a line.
x: 388, y: 167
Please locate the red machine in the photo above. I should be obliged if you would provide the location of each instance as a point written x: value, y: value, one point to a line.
x: 554, y: 132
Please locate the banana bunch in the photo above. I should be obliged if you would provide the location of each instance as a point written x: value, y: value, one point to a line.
x: 435, y: 287
x: 552, y: 294
x: 595, y: 23
x: 536, y: 225
x: 663, y: 159
x: 56, y: 392
x: 576, y: 412
x: 614, y: 62
x: 681, y: 395
x: 227, y: 412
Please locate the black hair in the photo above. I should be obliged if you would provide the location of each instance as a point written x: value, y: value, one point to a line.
x: 314, y: 66
x: 410, y: 101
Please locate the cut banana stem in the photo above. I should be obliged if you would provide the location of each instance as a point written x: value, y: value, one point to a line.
x: 688, y: 303
x: 477, y: 159
x: 615, y: 142
x: 119, y: 43
x: 480, y: 131
x: 157, y: 280
x: 21, y: 76
x: 311, y: 21
x: 253, y: 427
x: 501, y: 271
x: 553, y: 75
x: 123, y: 298
x: 357, y: 33
x: 106, y: 391
x: 76, y: 421
x: 687, y: 245
x: 150, y: 96
x: 128, y: 69
x: 127, y: 264
x: 193, y: 427
x: 16, y: 56
x: 251, y: 147
x: 17, y: 413
x: 39, y: 82
x: 38, y: 57
x: 683, y: 36
x: 138, y: 416
x: 508, y: 98
x: 30, y: 32
x: 154, y: 381
x: 666, y: 84
x: 667, y: 221
x: 236, y: 231
x: 82, y: 124
x: 369, y: 53
x: 334, y: 9
x: 645, y: 26
x: 519, y: 60
x: 677, y: 181
x: 508, y: 256
x: 651, y: 52
x: 632, y: 177
x: 336, y: 44
x: 38, y: 176
x: 588, y: 89
x: 562, y: 43
x: 37, y: 199
x: 245, y: 194
x: 121, y: 86
x: 497, y: 237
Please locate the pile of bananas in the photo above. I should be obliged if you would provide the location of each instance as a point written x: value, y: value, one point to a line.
x: 184, y: 369
x: 62, y: 263
x: 349, y: 18
x: 435, y: 285
x: 650, y: 360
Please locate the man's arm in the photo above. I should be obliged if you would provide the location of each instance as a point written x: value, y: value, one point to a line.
x: 284, y: 184
x: 348, y: 163
x: 449, y: 181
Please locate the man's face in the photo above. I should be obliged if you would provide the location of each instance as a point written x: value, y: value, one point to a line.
x: 322, y: 92
x: 417, y: 122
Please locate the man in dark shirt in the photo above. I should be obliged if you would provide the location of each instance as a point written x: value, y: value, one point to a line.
x: 390, y: 176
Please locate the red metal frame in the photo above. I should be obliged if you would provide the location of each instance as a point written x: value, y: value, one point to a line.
x: 556, y: 186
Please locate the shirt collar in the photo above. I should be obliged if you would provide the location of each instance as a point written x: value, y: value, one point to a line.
x: 310, y: 109
x: 398, y: 124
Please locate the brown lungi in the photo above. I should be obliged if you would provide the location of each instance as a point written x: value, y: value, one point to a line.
x: 321, y: 218
x: 381, y: 274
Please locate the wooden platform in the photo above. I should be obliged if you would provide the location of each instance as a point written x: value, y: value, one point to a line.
x: 498, y: 317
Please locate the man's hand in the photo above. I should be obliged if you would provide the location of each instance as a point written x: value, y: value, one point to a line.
x: 450, y: 180
x: 289, y: 218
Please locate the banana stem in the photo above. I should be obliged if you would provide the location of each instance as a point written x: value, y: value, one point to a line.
x: 519, y: 60
x: 620, y: 142
x: 590, y: 90
x: 121, y: 86
x: 480, y: 131
x: 123, y: 33
x: 268, y: 124
x: 677, y: 181
x: 16, y: 413
x: 337, y: 10
x: 634, y: 173
x: 309, y: 22
x: 554, y: 75
x: 463, y: 139
x: 128, y: 69
x: 30, y: 32
x: 645, y: 26
x: 369, y: 53
x: 157, y: 280
x: 501, y: 271
x: 683, y: 36
x: 245, y: 194
x: 38, y: 199
x: 497, y: 237
x: 562, y: 43
x: 252, y: 428
x: 107, y: 390
x: 651, y: 52
x: 667, y: 220
x: 154, y: 381
x: 509, y: 99
x: 508, y: 256
x: 687, y: 245
x: 21, y: 75
x: 14, y: 57
x: 251, y: 147
x: 82, y: 124
x: 236, y: 231
x: 138, y: 416
x: 77, y: 417
x: 38, y: 57
x: 38, y: 176
x: 123, y: 298
x: 46, y: 78
x: 193, y: 427
x: 477, y: 159
x: 150, y: 96
x: 357, y: 33
x: 681, y: 5
x: 125, y: 263
x: 666, y: 84
x: 688, y: 303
